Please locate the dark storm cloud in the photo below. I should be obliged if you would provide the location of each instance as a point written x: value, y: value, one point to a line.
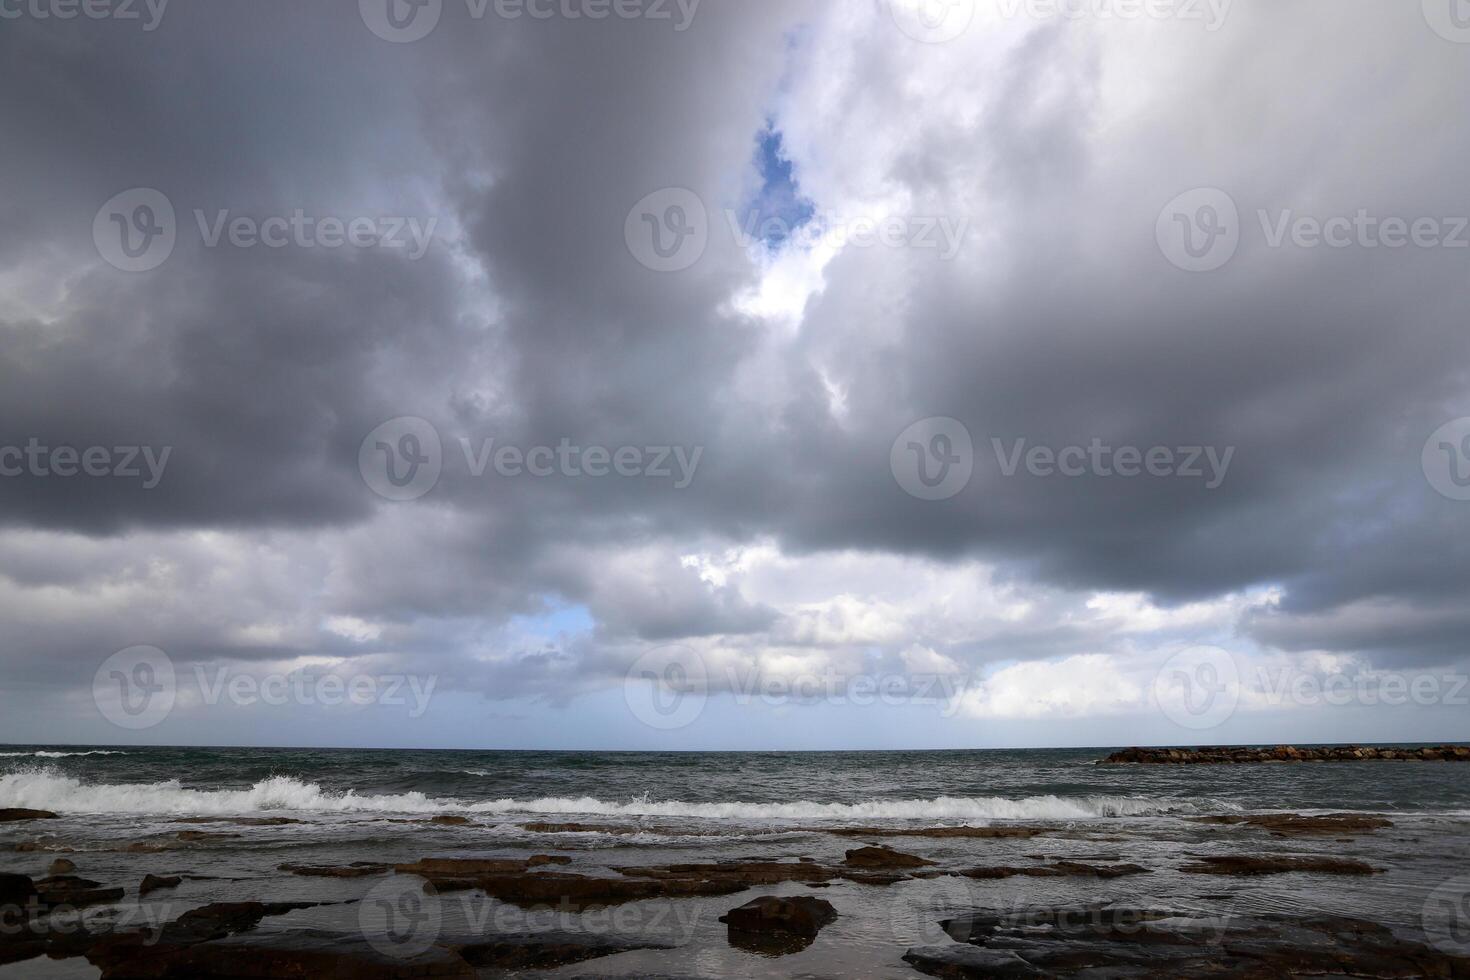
x: 263, y: 369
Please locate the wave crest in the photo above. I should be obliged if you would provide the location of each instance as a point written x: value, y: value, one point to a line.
x: 49, y: 790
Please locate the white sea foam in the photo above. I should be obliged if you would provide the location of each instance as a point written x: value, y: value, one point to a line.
x: 48, y: 789
x: 49, y: 754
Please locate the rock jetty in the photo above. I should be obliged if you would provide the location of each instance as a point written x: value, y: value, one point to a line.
x: 1236, y: 755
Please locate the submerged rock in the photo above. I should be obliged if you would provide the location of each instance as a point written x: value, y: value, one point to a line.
x: 1275, y: 864
x: 358, y: 869
x: 16, y: 814
x: 1298, y: 825
x: 1058, y: 870
x: 981, y: 833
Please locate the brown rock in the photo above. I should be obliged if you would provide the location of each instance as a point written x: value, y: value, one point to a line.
x: 1123, y: 942
x: 152, y: 883
x: 242, y: 821
x: 883, y: 857
x: 16, y: 890
x: 1297, y: 825
x: 74, y: 892
x: 198, y: 836
x: 360, y: 869
x: 777, y: 926
x: 1057, y: 870
x: 15, y: 814
x: 1238, y: 864
x: 804, y: 915
x: 61, y: 866
x: 980, y: 833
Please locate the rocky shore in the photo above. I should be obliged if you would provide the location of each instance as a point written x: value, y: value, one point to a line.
x: 250, y: 938
x: 1236, y: 755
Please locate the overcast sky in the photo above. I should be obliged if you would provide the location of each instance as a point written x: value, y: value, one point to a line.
x: 993, y: 358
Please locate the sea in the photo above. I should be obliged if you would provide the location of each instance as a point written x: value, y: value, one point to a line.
x: 122, y: 812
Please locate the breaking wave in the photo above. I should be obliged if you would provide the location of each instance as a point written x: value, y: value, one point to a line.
x: 49, y: 754
x: 49, y: 790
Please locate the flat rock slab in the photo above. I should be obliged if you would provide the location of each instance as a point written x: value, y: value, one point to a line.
x: 1277, y: 864
x: 1060, y: 869
x: 16, y: 814
x: 978, y: 833
x: 883, y: 857
x: 286, y: 956
x: 1298, y: 825
x: 1116, y: 942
